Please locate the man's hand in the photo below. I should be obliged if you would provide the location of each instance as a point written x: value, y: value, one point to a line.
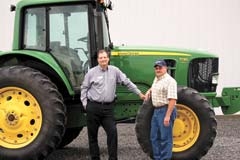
x: 142, y: 96
x: 166, y: 121
x: 148, y: 94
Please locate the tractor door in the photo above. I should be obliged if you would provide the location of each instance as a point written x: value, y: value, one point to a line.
x: 64, y: 32
x: 69, y: 40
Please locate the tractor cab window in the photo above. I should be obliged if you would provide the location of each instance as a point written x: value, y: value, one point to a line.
x: 69, y: 40
x: 35, y: 29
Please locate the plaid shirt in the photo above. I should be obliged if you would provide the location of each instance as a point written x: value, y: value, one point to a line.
x: 163, y: 88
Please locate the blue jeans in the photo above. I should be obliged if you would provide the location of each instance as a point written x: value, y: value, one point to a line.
x: 160, y: 135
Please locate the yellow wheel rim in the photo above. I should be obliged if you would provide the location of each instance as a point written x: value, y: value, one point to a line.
x: 20, y: 117
x: 186, y: 129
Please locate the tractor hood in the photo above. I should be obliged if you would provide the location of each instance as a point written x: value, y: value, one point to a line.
x: 183, y: 64
x: 154, y: 50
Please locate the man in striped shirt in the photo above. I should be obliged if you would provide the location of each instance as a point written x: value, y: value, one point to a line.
x: 164, y: 95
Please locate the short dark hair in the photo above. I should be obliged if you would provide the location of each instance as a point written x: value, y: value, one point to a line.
x: 103, y: 51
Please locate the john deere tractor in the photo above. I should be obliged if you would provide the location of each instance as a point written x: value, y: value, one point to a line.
x: 55, y: 43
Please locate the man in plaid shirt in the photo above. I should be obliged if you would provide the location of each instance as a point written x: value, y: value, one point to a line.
x: 164, y: 95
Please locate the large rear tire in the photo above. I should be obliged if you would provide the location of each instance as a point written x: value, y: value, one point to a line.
x: 32, y: 114
x: 194, y: 128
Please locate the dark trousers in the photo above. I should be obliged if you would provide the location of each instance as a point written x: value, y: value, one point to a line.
x: 101, y: 115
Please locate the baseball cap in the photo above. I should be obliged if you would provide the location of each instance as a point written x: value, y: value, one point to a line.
x: 160, y: 63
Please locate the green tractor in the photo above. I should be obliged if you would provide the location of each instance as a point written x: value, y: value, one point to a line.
x: 55, y: 43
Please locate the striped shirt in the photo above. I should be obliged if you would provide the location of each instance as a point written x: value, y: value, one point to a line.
x: 163, y: 88
x: 100, y: 85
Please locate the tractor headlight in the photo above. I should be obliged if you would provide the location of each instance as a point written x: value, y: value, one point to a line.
x: 215, y: 78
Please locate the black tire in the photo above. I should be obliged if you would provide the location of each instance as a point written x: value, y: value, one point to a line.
x: 69, y: 136
x: 36, y: 110
x: 196, y: 145
x: 143, y: 126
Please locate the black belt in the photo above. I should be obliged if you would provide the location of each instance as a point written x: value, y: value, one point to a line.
x: 102, y: 103
x: 156, y: 107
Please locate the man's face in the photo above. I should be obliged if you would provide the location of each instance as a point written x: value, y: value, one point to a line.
x: 159, y: 71
x: 103, y: 59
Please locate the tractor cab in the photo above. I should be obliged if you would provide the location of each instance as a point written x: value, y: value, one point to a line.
x: 71, y: 33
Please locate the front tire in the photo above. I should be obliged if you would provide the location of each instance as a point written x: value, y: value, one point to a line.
x: 194, y: 128
x: 32, y: 114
